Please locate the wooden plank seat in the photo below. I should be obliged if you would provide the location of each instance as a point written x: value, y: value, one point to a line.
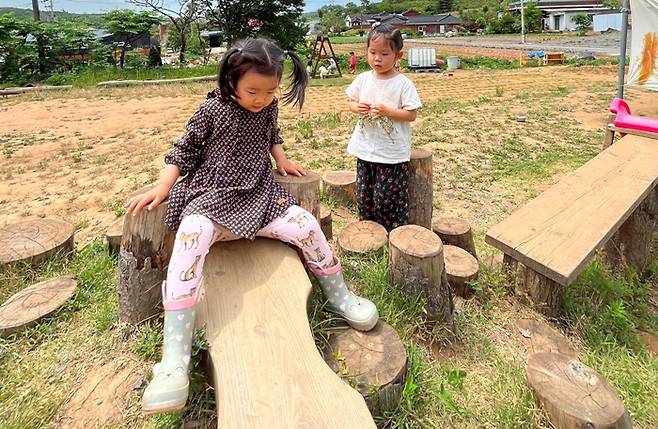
x: 610, y: 201
x: 267, y: 370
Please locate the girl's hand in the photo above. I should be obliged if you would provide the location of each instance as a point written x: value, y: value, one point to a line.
x: 379, y: 110
x: 154, y: 196
x: 284, y: 167
x: 363, y: 108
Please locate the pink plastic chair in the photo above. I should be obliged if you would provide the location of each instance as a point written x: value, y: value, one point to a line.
x: 624, y: 118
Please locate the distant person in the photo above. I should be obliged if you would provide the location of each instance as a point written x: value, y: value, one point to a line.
x: 333, y: 67
x: 228, y: 192
x: 386, y: 102
x: 352, y: 63
x: 309, y: 68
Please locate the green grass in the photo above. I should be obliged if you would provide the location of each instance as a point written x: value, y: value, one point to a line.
x: 347, y: 40
x: 92, y: 75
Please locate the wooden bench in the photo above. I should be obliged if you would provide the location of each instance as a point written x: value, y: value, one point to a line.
x: 553, y: 58
x: 267, y: 370
x: 611, y: 201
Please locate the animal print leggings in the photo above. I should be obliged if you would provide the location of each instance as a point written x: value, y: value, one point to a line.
x: 197, y: 233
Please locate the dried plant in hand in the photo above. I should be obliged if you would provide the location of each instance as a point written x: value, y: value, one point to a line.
x: 380, y: 121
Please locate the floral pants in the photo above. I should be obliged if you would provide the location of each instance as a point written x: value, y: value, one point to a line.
x: 382, y: 193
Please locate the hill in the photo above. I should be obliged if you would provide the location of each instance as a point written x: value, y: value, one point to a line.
x: 26, y: 14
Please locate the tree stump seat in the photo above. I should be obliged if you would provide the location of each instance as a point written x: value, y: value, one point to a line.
x: 362, y: 237
x: 341, y: 186
x: 455, y: 231
x: 326, y: 222
x: 609, y: 203
x: 374, y: 362
x: 35, y: 241
x: 416, y: 262
x: 421, y: 190
x: 461, y: 268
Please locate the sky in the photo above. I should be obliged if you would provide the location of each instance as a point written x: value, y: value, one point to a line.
x: 96, y: 6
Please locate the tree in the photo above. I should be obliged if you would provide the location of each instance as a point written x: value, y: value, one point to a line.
x: 155, y: 60
x: 280, y: 20
x: 532, y: 18
x: 352, y: 9
x: 182, y: 19
x: 15, y: 52
x: 444, y: 6
x: 614, y: 4
x: 365, y: 5
x: 583, y: 23
x: 332, y: 18
x: 126, y: 26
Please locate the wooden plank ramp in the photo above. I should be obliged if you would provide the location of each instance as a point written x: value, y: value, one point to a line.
x: 267, y: 370
x: 557, y: 233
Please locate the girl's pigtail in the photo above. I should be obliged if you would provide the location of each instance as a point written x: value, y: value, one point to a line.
x: 223, y: 78
x: 299, y: 80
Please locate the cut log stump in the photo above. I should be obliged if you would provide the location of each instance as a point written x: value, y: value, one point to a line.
x: 326, y: 221
x: 35, y: 302
x: 420, y: 188
x: 306, y: 189
x: 113, y: 236
x: 362, y: 236
x: 536, y: 290
x: 455, y: 232
x: 34, y: 241
x: 461, y: 268
x: 146, y: 246
x: 416, y: 262
x: 631, y: 244
x: 574, y: 395
x: 341, y: 186
x: 374, y: 363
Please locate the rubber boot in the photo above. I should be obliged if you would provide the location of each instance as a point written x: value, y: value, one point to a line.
x: 360, y: 313
x: 170, y: 385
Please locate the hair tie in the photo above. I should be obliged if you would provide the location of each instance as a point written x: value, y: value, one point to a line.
x: 240, y: 50
x: 285, y: 52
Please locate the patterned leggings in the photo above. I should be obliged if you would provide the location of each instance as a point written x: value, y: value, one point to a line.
x: 197, y: 233
x: 382, y: 193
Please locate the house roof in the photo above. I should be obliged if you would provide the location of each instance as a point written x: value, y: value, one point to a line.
x: 434, y: 19
x: 561, y: 4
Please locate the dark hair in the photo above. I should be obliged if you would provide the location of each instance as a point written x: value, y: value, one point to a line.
x: 351, y: 52
x: 265, y: 57
x: 391, y: 34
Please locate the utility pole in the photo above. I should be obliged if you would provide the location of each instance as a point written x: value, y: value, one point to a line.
x: 625, y: 8
x: 42, y: 54
x: 522, y: 23
x: 49, y: 3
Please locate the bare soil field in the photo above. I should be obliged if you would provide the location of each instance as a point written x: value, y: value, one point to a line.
x: 77, y: 154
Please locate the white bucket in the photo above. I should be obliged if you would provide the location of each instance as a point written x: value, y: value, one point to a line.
x: 453, y: 62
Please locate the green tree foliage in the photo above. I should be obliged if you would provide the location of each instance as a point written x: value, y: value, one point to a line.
x: 280, y: 20
x: 68, y: 45
x: 583, y: 22
x: 126, y: 26
x: 532, y: 18
x: 332, y: 18
x: 352, y: 8
x: 155, y: 59
x: 614, y: 4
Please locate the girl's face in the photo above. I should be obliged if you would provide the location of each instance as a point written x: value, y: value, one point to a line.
x: 256, y: 91
x: 381, y: 57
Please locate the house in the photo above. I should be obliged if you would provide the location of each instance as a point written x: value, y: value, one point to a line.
x: 605, y: 21
x: 557, y: 15
x: 410, y: 20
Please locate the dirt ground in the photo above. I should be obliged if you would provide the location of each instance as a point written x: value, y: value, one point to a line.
x: 76, y: 155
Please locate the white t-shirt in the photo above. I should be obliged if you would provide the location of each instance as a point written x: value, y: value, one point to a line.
x: 371, y: 142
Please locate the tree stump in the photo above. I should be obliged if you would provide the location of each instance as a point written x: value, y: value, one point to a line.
x: 420, y: 188
x: 461, y: 268
x: 341, y: 186
x: 362, y: 236
x: 631, y: 244
x: 306, y: 189
x: 374, y: 363
x: 326, y: 222
x: 536, y: 290
x: 415, y: 261
x: 574, y: 395
x: 34, y: 303
x: 34, y: 241
x: 455, y: 232
x: 146, y: 247
x: 113, y: 236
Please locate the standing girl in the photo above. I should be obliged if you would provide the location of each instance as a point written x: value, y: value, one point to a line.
x: 387, y: 101
x: 228, y: 192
